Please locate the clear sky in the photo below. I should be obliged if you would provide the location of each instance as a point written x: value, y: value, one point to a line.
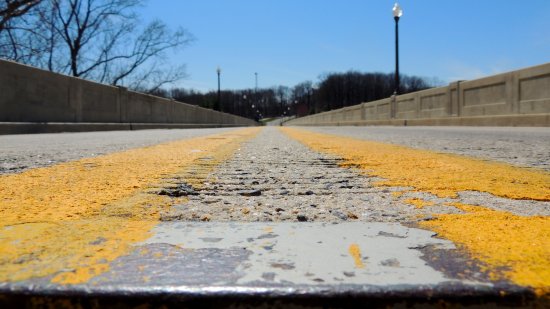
x: 290, y: 41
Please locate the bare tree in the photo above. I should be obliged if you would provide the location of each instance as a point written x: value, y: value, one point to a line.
x: 17, y: 32
x: 282, y: 93
x: 10, y: 9
x: 101, y: 40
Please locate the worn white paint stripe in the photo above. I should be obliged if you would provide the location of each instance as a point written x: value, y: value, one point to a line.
x: 315, y: 253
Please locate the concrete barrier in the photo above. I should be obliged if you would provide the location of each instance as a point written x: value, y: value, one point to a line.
x: 518, y: 98
x: 34, y: 100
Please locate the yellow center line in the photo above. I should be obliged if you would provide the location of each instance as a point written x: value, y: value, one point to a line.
x: 514, y: 247
x: 501, y: 239
x: 440, y: 174
x: 68, y: 221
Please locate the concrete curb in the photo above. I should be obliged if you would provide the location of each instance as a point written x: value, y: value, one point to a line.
x: 270, y: 297
x: 56, y: 127
x: 535, y: 120
x: 232, y: 270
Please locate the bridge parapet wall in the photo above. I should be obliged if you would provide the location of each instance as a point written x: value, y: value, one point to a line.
x: 517, y: 98
x: 31, y: 96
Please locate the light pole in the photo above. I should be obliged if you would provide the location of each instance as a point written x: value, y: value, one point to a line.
x: 219, y: 103
x: 397, y: 13
x: 256, y: 88
x: 245, y: 106
x: 308, y: 100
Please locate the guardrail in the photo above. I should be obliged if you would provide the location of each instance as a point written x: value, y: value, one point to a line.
x: 518, y: 98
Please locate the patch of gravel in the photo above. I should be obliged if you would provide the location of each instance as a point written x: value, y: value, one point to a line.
x: 274, y: 178
x: 523, y: 146
x: 519, y: 207
x: 25, y: 151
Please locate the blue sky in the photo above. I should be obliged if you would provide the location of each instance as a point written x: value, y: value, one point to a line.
x: 290, y: 41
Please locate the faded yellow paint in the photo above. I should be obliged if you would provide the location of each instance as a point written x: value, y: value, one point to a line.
x: 418, y: 202
x: 355, y: 253
x: 514, y: 247
x: 437, y: 173
x: 397, y: 194
x: 70, y: 220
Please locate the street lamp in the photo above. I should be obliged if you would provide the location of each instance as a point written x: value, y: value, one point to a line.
x: 219, y: 103
x: 397, y: 13
x: 256, y: 88
x: 246, y: 112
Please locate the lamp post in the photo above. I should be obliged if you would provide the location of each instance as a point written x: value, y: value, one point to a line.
x: 309, y: 91
x: 397, y: 13
x: 245, y: 106
x: 219, y: 103
x: 256, y: 88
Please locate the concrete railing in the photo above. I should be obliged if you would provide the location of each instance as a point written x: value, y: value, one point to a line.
x: 518, y: 98
x: 34, y: 100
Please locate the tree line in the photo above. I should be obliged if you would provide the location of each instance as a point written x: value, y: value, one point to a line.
x: 332, y: 91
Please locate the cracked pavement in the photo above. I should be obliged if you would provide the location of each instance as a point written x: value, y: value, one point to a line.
x: 275, y: 178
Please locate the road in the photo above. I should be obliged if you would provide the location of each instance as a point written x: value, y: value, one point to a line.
x: 283, y: 216
x: 24, y: 151
x: 519, y: 146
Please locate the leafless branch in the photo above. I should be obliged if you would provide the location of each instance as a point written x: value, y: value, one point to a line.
x: 15, y: 8
x: 102, y: 40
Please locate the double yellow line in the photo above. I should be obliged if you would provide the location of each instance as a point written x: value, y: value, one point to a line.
x: 70, y: 220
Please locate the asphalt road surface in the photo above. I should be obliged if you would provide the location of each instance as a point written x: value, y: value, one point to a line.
x: 25, y: 151
x: 521, y: 146
x: 304, y: 216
